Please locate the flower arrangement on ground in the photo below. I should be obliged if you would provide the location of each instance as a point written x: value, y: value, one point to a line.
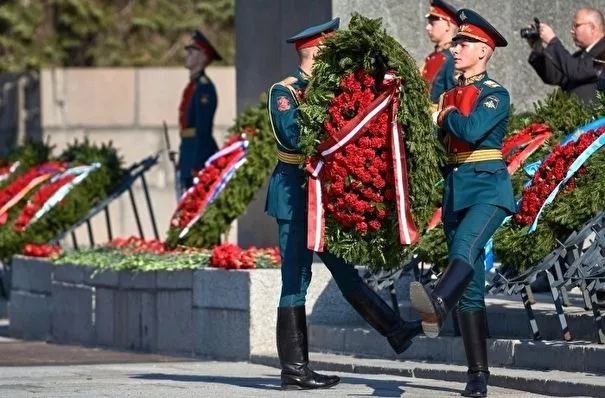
x: 205, y: 214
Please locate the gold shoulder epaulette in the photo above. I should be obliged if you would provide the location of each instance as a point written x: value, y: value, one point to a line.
x: 288, y: 81
x: 491, y: 83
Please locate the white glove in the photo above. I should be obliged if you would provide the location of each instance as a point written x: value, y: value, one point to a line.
x: 435, y: 117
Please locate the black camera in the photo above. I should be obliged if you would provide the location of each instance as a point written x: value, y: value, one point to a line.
x: 533, y: 32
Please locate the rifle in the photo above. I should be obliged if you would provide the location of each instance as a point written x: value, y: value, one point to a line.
x: 175, y: 166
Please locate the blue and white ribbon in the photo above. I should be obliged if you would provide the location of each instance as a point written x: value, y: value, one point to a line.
x: 489, y: 246
x: 588, y: 152
x: 243, y: 144
x: 531, y: 169
x: 224, y: 180
x: 227, y: 150
x: 488, y: 262
x: 81, y: 172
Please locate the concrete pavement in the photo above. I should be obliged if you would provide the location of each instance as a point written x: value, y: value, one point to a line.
x: 34, y: 369
x: 206, y: 379
x: 38, y: 369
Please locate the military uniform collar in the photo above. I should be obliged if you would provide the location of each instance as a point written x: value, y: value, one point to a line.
x: 444, y: 47
x: 302, y: 75
x: 462, y: 81
x: 200, y: 77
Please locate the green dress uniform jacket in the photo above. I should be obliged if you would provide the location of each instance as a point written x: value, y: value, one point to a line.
x: 287, y: 195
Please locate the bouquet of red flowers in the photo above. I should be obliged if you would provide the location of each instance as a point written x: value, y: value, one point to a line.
x: 373, y: 160
x: 34, y: 250
x: 230, y: 256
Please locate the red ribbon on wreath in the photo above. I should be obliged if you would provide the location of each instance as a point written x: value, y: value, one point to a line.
x: 387, y: 99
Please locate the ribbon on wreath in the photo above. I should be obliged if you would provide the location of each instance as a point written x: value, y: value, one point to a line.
x: 226, y: 174
x: 13, y: 167
x: 47, y: 172
x: 388, y: 98
x: 81, y: 172
x: 531, y: 168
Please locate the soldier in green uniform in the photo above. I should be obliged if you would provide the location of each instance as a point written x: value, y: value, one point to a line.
x: 477, y: 193
x: 438, y: 68
x: 196, y: 110
x: 287, y: 202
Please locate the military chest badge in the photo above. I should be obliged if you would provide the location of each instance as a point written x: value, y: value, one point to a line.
x: 283, y: 104
x: 205, y: 99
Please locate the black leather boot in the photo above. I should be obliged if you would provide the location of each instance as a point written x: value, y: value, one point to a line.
x: 434, y: 307
x: 474, y: 334
x: 293, y: 351
x: 383, y: 318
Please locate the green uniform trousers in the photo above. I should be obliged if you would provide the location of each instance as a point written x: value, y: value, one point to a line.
x: 296, y: 265
x: 467, y: 231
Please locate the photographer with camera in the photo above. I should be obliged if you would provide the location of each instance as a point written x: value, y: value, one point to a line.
x: 573, y: 73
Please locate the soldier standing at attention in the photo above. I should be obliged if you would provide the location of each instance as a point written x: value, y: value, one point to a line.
x: 287, y: 202
x: 438, y: 69
x: 196, y: 111
x: 477, y: 194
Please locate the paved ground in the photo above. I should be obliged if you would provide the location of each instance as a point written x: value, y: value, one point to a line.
x: 36, y: 369
x: 205, y: 379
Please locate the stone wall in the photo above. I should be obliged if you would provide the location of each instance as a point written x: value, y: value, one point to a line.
x: 262, y: 59
x: 404, y: 19
x: 128, y: 106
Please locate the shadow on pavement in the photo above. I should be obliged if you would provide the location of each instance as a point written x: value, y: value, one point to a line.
x: 261, y: 383
x: 381, y: 388
x: 391, y: 388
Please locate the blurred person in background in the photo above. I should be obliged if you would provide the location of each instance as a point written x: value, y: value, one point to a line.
x: 438, y: 69
x: 196, y: 111
x: 573, y: 73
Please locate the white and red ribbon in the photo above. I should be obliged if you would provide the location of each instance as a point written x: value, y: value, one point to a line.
x: 408, y: 233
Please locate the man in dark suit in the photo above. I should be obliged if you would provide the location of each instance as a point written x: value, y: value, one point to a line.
x: 573, y: 73
x: 599, y: 63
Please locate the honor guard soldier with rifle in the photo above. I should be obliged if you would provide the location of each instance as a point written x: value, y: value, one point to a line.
x: 287, y: 202
x: 477, y: 196
x: 196, y: 111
